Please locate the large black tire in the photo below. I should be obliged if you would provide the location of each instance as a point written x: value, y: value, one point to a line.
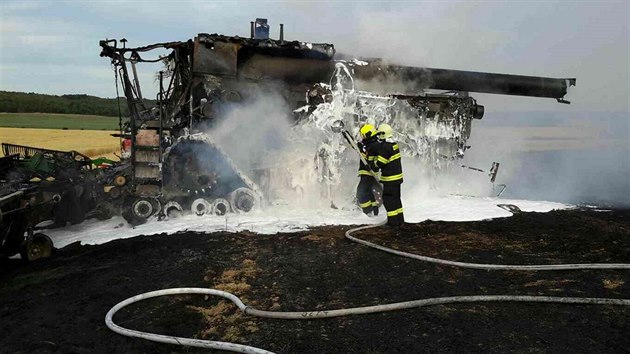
x: 138, y: 210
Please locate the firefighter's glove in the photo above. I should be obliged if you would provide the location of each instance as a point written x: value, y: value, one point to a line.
x: 362, y: 147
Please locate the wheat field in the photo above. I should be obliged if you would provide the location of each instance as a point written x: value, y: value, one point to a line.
x: 93, y: 143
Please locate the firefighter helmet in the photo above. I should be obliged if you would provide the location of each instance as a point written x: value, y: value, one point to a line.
x: 367, y: 131
x: 385, y: 131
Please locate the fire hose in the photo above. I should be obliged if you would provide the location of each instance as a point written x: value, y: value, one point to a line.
x: 308, y: 315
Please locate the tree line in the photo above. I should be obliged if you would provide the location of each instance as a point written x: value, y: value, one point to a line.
x: 22, y: 102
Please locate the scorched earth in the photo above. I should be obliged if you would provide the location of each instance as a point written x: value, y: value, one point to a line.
x: 287, y: 261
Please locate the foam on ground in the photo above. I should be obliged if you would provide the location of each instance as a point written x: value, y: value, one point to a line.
x: 274, y: 219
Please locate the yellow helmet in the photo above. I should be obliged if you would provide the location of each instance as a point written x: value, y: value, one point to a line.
x: 367, y: 131
x: 385, y: 131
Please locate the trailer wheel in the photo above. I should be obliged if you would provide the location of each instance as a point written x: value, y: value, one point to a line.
x: 36, y: 247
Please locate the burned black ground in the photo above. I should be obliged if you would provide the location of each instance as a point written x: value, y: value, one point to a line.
x: 59, y: 304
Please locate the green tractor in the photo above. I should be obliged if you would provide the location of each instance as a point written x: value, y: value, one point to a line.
x: 62, y: 187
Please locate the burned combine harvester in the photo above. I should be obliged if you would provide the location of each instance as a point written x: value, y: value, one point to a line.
x: 175, y: 166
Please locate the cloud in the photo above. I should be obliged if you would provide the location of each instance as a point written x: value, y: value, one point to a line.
x: 426, y: 38
x: 13, y: 7
x: 39, y: 32
x: 41, y: 40
x: 183, y: 12
x: 586, y: 40
x: 58, y: 79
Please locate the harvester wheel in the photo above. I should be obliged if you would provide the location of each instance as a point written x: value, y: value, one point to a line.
x: 173, y: 210
x: 200, y: 207
x: 142, y: 208
x: 157, y: 206
x: 243, y: 200
x: 36, y: 247
x: 219, y: 207
x: 138, y: 211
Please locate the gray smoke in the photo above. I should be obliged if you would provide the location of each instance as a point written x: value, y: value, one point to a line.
x: 253, y: 133
x: 578, y: 153
x: 573, y: 158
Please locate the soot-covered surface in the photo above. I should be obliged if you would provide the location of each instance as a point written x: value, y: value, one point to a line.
x: 59, y: 304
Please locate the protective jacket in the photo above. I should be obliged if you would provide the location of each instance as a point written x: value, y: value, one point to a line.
x: 369, y: 149
x: 388, y: 160
x: 367, y: 184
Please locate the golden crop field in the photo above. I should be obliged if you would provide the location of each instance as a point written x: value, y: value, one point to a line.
x: 94, y: 143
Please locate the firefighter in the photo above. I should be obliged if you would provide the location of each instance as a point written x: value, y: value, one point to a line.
x: 367, y: 182
x: 388, y: 160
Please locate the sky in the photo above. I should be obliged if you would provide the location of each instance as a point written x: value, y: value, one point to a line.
x: 52, y: 46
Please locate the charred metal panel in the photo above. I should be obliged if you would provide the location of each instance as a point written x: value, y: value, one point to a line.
x: 147, y: 189
x: 255, y: 59
x: 147, y: 156
x: 293, y: 49
x: 148, y: 171
x: 216, y: 58
x: 290, y: 70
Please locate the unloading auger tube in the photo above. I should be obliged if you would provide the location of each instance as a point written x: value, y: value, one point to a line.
x: 309, y: 315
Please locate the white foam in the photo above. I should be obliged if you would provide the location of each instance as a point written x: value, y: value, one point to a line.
x: 277, y: 219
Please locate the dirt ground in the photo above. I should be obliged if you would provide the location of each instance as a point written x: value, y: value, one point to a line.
x: 59, y: 304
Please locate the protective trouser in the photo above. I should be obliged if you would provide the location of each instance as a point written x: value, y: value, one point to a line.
x: 365, y: 195
x: 393, y: 205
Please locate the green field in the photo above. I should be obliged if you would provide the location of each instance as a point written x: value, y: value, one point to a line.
x: 58, y: 121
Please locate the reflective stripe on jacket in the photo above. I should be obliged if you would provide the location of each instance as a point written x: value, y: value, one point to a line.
x: 388, y: 160
x: 369, y: 148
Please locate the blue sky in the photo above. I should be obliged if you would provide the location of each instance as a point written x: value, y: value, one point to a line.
x: 52, y: 46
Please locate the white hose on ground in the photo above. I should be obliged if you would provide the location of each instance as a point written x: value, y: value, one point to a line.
x: 536, y: 267
x: 307, y: 315
x: 161, y: 338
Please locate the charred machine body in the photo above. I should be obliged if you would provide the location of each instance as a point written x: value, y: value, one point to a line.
x: 206, y: 76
